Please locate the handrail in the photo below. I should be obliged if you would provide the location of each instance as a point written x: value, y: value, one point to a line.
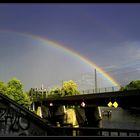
x: 101, y: 90
x: 38, y: 94
x: 93, y: 131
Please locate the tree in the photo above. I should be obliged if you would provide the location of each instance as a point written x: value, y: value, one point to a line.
x: 69, y: 88
x: 135, y: 84
x: 3, y: 87
x: 54, y: 92
x: 16, y: 93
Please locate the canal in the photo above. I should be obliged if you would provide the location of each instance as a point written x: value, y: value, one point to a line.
x: 120, y: 118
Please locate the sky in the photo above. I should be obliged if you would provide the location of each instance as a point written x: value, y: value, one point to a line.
x: 106, y: 34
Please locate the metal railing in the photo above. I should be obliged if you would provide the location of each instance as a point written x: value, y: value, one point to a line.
x: 43, y: 95
x: 92, y: 131
x: 101, y: 90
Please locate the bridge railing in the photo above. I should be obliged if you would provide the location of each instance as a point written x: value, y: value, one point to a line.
x: 93, y: 131
x: 100, y: 90
x: 43, y: 94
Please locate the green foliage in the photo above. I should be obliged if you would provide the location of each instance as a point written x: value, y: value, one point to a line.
x: 36, y: 94
x: 122, y: 88
x: 69, y: 88
x: 3, y: 87
x: 135, y: 84
x: 14, y: 90
x: 54, y: 92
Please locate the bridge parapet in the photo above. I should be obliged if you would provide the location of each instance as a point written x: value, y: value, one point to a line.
x: 43, y: 94
x: 125, y: 98
x: 101, y: 90
x: 16, y: 120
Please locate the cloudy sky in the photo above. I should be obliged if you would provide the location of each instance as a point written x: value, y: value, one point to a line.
x: 106, y: 34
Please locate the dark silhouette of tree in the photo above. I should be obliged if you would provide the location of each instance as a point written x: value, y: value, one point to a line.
x: 135, y: 84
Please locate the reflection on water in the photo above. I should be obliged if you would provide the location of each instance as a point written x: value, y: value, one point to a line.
x: 121, y: 118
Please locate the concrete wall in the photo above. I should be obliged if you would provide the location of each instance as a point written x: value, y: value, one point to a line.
x: 19, y: 121
x: 78, y: 116
x: 93, y: 116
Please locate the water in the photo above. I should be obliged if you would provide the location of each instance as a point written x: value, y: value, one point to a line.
x: 121, y: 119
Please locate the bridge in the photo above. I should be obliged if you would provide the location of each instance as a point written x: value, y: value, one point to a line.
x: 127, y: 98
x: 15, y: 120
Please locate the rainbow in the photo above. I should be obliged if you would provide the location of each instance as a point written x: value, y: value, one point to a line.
x: 71, y: 52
